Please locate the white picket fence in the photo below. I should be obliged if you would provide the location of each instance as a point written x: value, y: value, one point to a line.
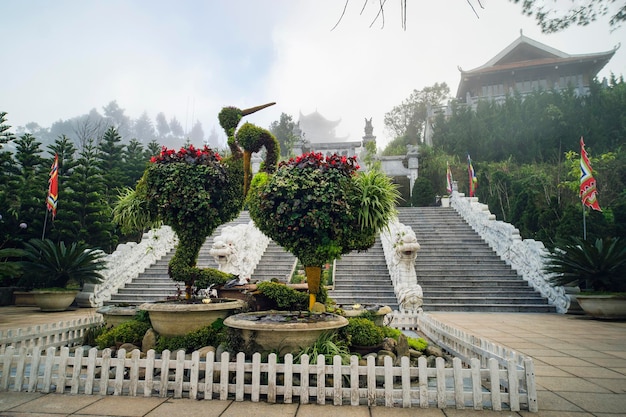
x: 483, y: 375
x: 68, y: 333
x: 180, y: 376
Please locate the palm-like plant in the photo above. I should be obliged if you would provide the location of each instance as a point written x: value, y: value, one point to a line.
x: 593, y: 266
x: 49, y: 265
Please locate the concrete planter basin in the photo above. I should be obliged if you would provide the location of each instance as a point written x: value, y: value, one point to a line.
x: 284, y: 331
x: 611, y: 307
x: 177, y: 318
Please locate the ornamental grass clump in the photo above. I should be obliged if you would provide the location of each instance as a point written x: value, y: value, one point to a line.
x: 320, y: 208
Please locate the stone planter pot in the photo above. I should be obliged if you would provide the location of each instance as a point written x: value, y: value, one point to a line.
x: 378, y: 311
x: 284, y: 331
x: 54, y: 300
x: 612, y: 307
x: 179, y: 318
x: 114, y: 315
x: 24, y: 298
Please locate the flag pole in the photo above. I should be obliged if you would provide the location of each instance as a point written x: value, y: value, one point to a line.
x: 45, y: 222
x: 584, y: 223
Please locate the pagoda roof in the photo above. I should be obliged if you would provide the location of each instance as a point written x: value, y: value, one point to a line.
x: 317, y: 119
x: 527, y: 53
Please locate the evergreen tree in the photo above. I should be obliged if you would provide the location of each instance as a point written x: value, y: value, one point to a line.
x: 92, y: 221
x: 135, y: 162
x: 111, y: 164
x: 153, y: 149
x: 423, y: 193
x: 29, y: 186
x: 285, y: 131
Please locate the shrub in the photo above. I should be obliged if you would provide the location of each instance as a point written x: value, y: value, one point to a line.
x: 286, y: 298
x: 391, y: 332
x: 212, y: 335
x: 131, y: 331
x: 363, y: 332
x: 418, y: 344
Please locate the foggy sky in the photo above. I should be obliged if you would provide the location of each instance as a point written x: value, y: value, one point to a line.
x: 190, y: 58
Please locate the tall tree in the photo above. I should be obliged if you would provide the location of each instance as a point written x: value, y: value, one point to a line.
x: 30, y: 186
x: 5, y: 135
x: 89, y: 127
x: 408, y: 118
x: 91, y: 222
x: 285, y: 131
x: 143, y: 129
x: 162, y: 127
x: 135, y: 163
x: 176, y: 128
x: 111, y: 164
x: 117, y: 119
x: 197, y: 133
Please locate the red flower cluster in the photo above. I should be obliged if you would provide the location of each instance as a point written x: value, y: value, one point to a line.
x: 190, y: 155
x: 314, y: 160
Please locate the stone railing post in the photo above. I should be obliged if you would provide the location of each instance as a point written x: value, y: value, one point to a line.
x: 400, y: 247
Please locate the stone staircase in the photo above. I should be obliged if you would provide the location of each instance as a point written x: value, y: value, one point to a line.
x: 275, y: 263
x: 458, y: 271
x: 363, y: 278
x: 154, y: 283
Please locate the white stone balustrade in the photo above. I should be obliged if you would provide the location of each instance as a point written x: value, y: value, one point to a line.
x: 526, y: 256
x: 400, y: 247
x: 127, y: 262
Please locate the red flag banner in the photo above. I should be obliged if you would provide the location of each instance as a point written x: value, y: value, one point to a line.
x: 448, y: 179
x: 53, y: 187
x: 473, y: 181
x: 588, y: 191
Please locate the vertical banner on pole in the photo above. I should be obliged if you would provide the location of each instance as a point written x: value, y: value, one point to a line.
x: 473, y: 181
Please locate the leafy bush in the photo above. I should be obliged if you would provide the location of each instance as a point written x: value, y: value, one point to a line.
x: 418, y: 344
x: 212, y: 335
x: 363, y: 332
x: 286, y: 298
x: 131, y: 331
x: 391, y: 332
x: 593, y: 266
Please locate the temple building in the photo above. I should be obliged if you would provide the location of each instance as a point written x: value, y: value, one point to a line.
x: 319, y: 135
x: 523, y: 67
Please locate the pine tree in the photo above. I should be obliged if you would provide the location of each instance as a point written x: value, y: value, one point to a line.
x: 111, y: 163
x: 29, y: 187
x: 135, y: 162
x: 93, y: 219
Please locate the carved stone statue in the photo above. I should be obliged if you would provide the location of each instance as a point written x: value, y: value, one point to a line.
x: 369, y: 129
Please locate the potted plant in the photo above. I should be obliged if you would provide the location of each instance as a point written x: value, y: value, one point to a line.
x: 598, y: 269
x: 56, y: 272
x: 320, y: 208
